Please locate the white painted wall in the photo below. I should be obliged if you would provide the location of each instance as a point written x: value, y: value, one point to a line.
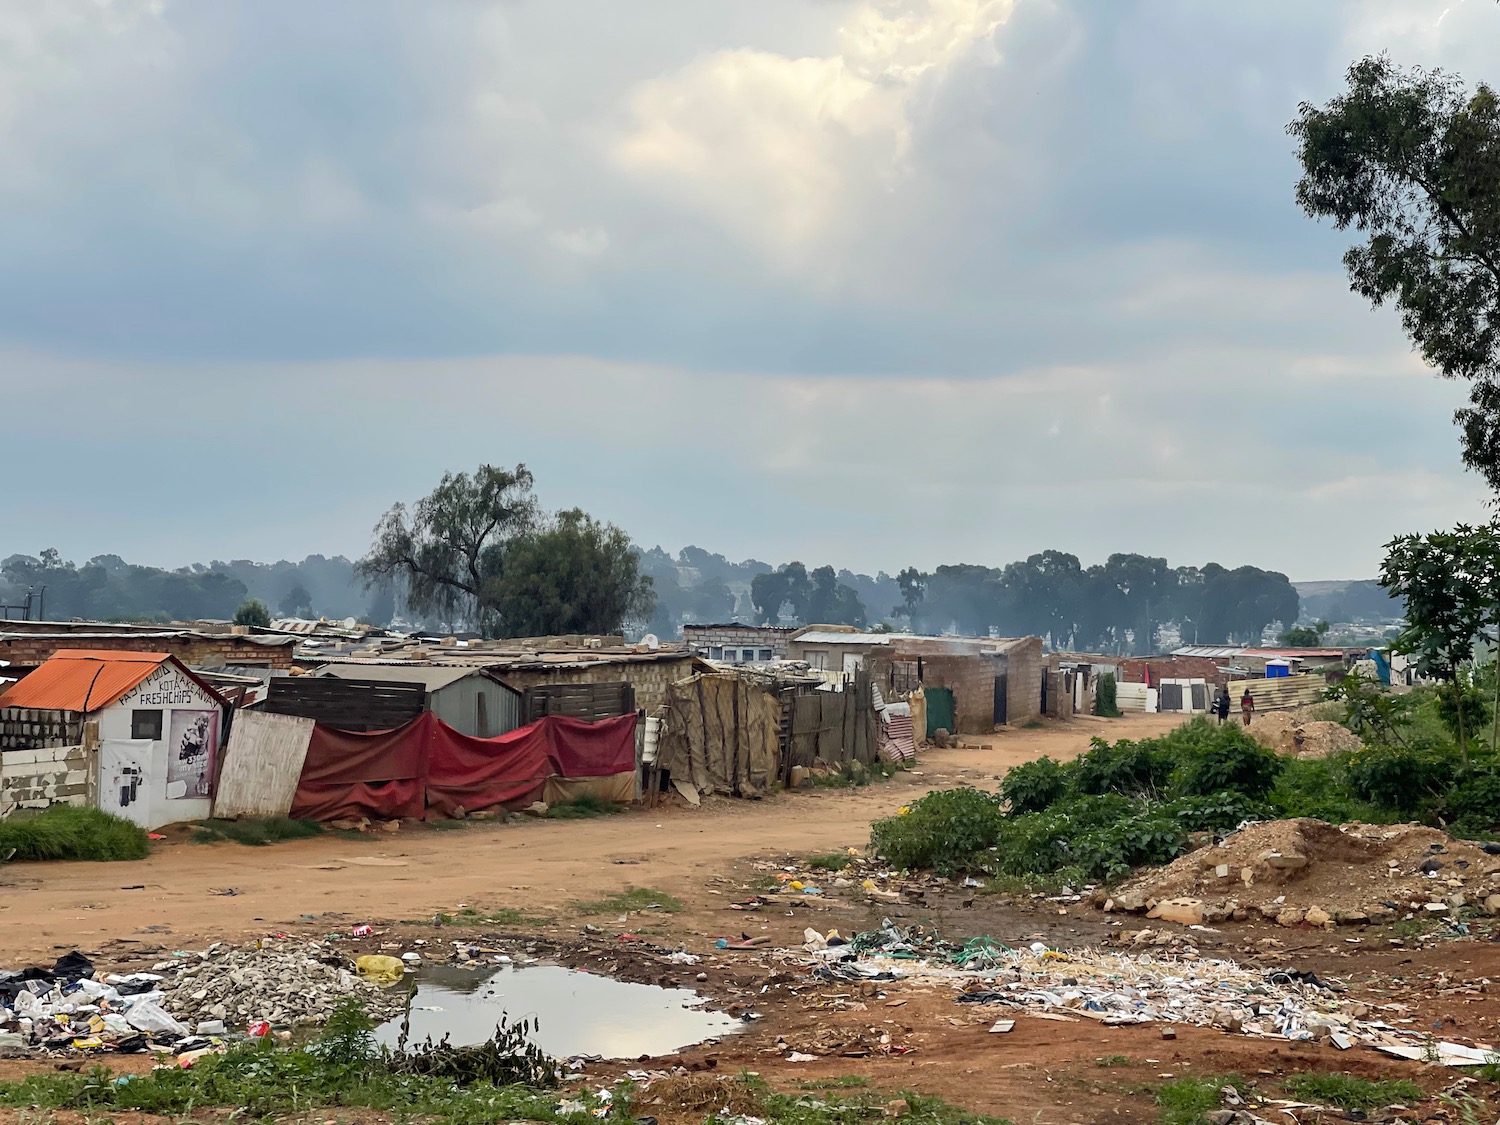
x: 161, y: 798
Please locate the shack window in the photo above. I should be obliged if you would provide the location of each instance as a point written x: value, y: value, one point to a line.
x: 145, y: 724
x: 765, y: 656
x: 716, y: 654
x: 481, y: 715
x: 818, y: 661
x: 905, y: 676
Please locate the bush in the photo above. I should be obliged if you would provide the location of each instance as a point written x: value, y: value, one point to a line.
x: 1033, y: 786
x: 1218, y: 812
x: 1400, y: 777
x: 1106, y: 699
x: 1473, y: 804
x: 1319, y: 788
x: 1135, y: 769
x: 65, y: 832
x: 1226, y: 758
x: 945, y: 830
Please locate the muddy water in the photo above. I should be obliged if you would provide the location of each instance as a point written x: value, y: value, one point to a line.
x: 579, y: 1013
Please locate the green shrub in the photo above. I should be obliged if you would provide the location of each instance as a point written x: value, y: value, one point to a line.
x: 583, y: 807
x: 1222, y: 758
x: 1106, y: 698
x: 1134, y: 769
x: 1473, y: 803
x: 1319, y: 788
x: 1217, y: 812
x: 1400, y: 777
x: 945, y: 830
x: 65, y: 832
x: 1033, y: 786
x: 1109, y: 852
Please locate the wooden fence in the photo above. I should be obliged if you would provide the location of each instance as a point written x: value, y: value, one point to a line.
x: 831, y: 727
x: 590, y: 702
x: 346, y: 704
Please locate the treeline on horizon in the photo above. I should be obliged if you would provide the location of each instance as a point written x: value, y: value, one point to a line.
x: 1112, y: 606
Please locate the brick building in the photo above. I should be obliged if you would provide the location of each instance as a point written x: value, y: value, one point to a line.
x: 994, y: 681
x: 733, y: 643
x: 28, y: 644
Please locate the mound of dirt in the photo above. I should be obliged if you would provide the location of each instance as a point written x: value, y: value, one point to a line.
x: 1292, y: 734
x: 1307, y: 871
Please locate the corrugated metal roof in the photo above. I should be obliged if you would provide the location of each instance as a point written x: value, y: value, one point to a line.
x: 817, y: 638
x: 1212, y: 652
x: 83, y: 679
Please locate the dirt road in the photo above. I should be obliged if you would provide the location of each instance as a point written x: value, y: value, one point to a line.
x: 179, y: 897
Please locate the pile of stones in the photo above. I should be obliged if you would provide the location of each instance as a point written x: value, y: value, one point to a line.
x: 282, y: 983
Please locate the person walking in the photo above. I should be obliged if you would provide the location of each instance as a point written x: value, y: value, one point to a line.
x: 1221, y: 704
x: 1247, y: 706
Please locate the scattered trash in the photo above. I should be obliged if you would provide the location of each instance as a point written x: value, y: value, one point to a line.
x: 1000, y: 1027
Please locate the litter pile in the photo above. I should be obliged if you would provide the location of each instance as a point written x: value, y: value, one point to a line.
x: 1291, y: 734
x: 1123, y: 988
x: 192, y: 1002
x: 1306, y: 871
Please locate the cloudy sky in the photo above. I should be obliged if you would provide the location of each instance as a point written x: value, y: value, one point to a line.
x: 870, y: 282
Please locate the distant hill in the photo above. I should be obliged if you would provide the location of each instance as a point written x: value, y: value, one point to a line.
x: 1356, y: 600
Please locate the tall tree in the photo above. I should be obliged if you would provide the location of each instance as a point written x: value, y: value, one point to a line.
x: 1411, y: 160
x: 449, y: 550
x: 574, y: 575
x: 831, y: 602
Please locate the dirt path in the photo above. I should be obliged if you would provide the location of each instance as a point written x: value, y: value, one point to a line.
x: 177, y: 897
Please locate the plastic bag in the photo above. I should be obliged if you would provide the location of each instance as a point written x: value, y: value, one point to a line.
x: 379, y: 969
x: 143, y: 1015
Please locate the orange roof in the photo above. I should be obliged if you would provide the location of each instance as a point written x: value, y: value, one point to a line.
x: 83, y: 679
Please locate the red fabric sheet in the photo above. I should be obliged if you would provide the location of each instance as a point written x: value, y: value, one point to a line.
x: 427, y: 764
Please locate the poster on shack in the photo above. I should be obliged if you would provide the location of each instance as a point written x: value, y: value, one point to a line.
x: 191, y: 754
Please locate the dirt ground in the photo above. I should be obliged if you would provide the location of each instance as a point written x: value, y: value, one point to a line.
x: 188, y: 895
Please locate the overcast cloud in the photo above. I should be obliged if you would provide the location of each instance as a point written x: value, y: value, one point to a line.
x: 871, y: 282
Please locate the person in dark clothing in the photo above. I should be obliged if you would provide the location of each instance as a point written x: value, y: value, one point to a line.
x: 1221, y: 704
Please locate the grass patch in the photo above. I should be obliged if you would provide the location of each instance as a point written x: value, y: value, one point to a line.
x: 636, y: 898
x: 583, y: 807
x: 65, y: 832
x: 255, y: 833
x: 504, y: 916
x: 830, y: 861
x: 855, y: 775
x: 1189, y: 1101
x: 1350, y: 1092
x: 844, y: 1082
x: 1115, y: 1060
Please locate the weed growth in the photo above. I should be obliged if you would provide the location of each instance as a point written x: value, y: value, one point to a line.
x: 255, y: 833
x: 1189, y: 1101
x: 1350, y: 1092
x: 65, y: 832
x: 636, y: 898
x: 830, y: 861
x: 583, y: 807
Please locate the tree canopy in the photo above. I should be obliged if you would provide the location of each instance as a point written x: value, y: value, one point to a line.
x: 1410, y: 159
x: 253, y: 612
x: 478, y: 551
x: 814, y: 598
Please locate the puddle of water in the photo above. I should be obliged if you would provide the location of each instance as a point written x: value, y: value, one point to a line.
x: 580, y: 1013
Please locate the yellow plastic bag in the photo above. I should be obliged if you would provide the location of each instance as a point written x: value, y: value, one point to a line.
x: 379, y: 969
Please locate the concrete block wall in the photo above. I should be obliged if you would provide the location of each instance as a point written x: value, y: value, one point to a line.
x: 55, y: 775
x: 971, y: 679
x: 1023, y: 665
x: 703, y: 637
x: 27, y: 728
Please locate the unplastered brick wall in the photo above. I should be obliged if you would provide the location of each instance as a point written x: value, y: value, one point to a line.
x: 27, y: 728
x: 649, y: 679
x: 29, y: 651
x: 54, y: 775
x: 971, y: 679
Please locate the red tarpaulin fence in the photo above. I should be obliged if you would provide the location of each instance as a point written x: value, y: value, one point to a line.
x: 426, y: 764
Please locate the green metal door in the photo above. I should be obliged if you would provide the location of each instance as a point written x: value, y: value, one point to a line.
x: 939, y: 710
